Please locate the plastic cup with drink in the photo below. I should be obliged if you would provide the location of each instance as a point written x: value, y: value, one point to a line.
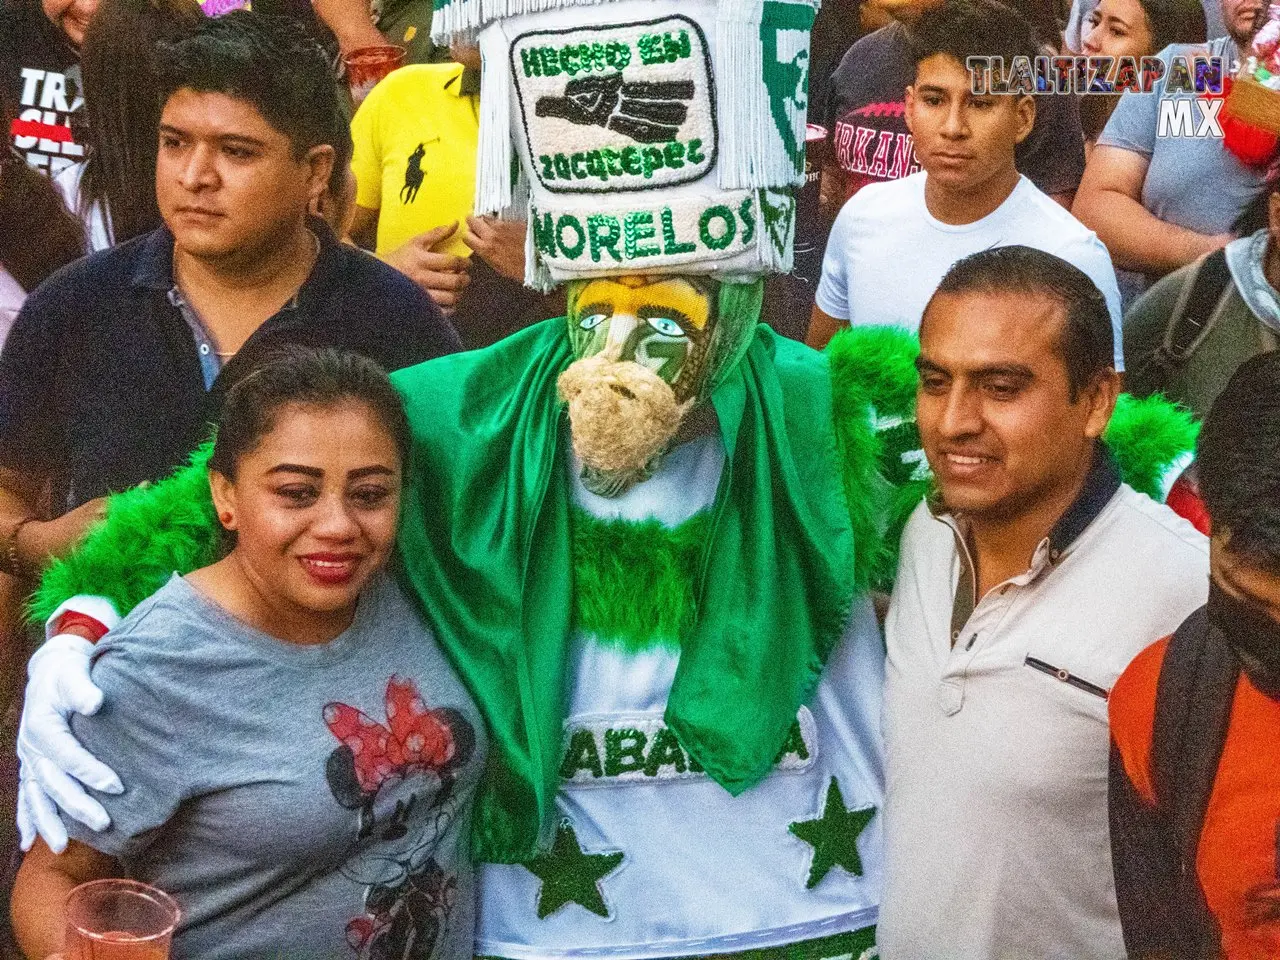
x: 367, y: 65
x: 119, y: 920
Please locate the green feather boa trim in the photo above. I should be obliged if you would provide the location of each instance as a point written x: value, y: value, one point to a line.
x: 873, y: 369
x: 633, y: 582
x: 149, y: 533
x: 1151, y: 439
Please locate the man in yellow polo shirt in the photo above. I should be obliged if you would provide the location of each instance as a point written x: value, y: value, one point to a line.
x: 415, y: 139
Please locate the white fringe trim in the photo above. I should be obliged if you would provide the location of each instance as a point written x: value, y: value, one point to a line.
x: 536, y: 275
x: 752, y: 152
x: 494, y: 152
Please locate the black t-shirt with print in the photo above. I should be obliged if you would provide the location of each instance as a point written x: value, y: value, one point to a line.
x: 40, y: 74
x: 869, y: 137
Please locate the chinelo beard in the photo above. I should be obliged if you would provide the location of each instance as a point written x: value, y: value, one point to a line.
x: 622, y: 417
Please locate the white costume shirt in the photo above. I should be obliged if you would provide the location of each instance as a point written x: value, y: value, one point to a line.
x: 702, y: 871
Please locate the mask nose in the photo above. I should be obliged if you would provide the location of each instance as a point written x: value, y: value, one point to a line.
x: 621, y: 343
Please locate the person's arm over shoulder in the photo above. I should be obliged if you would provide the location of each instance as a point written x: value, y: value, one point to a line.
x: 148, y: 533
x: 135, y: 735
x: 1145, y: 324
x: 1144, y: 855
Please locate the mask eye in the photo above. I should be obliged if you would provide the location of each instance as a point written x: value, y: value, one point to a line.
x: 593, y: 321
x: 666, y: 326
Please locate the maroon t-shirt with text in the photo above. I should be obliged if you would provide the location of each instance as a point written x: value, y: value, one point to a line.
x: 869, y: 137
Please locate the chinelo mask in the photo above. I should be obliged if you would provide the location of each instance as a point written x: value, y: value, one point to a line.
x: 653, y: 148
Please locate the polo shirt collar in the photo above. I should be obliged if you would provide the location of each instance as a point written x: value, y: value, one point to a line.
x: 464, y: 84
x: 154, y: 268
x: 1100, y: 485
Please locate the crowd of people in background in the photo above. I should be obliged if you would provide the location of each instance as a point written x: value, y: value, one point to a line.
x: 181, y: 195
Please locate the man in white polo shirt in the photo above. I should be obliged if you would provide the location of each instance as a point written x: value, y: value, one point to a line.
x: 893, y: 241
x: 1023, y: 590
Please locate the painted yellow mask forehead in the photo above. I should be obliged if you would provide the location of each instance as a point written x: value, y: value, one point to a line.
x: 628, y: 296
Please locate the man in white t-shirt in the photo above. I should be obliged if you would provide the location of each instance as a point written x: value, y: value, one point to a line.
x: 892, y: 242
x: 1024, y: 588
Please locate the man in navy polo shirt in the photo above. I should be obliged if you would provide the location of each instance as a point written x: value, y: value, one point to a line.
x: 113, y: 370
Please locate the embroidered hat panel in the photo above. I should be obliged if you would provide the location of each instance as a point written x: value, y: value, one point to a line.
x: 641, y: 136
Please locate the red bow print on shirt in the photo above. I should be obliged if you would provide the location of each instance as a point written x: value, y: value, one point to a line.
x: 415, y: 738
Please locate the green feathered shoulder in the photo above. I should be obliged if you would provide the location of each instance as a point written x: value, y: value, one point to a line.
x: 148, y: 534
x: 800, y: 369
x: 1151, y: 439
x: 873, y: 379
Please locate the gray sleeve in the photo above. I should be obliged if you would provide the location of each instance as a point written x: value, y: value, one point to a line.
x: 1145, y: 323
x: 1132, y: 125
x: 133, y: 735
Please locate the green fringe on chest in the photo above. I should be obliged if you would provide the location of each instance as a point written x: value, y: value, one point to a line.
x: 634, y: 581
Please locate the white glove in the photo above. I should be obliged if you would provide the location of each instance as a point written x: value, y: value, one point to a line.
x: 53, y: 763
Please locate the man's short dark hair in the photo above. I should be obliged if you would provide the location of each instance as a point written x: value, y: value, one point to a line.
x: 974, y: 28
x: 1238, y: 460
x: 1088, y: 341
x: 270, y: 62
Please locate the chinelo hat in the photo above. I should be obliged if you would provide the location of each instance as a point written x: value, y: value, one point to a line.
x: 641, y: 136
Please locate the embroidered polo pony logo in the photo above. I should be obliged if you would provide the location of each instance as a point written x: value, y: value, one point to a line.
x: 399, y: 777
x: 413, y: 174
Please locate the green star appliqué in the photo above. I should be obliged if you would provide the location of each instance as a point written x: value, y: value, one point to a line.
x: 833, y: 836
x: 569, y: 875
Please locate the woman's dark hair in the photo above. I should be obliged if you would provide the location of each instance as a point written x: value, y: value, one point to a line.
x: 308, y: 377
x: 1238, y: 460
x: 1174, y: 21
x: 1088, y: 339
x: 37, y: 234
x: 122, y: 108
x: 1045, y: 22
x: 271, y: 63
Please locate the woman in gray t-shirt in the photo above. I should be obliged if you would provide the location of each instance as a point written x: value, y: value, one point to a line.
x: 299, y: 756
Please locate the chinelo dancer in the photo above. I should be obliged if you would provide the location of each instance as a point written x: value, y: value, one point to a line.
x: 663, y: 607
x: 644, y: 533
